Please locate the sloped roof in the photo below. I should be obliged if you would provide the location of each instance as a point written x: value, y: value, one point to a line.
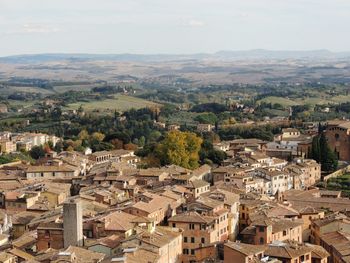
x: 245, y: 249
x: 192, y: 217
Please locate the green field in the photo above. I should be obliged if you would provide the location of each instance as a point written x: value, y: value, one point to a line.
x: 341, y: 183
x: 321, y: 100
x: 279, y: 100
x: 80, y: 87
x: 22, y: 103
x: 119, y: 103
x: 14, y: 89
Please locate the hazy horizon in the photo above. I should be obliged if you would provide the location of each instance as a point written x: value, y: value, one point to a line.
x: 169, y: 27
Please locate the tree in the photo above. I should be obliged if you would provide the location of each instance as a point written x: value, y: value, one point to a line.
x: 322, y: 153
x: 83, y: 135
x: 98, y: 136
x: 315, y: 149
x: 207, y: 118
x: 37, y: 152
x: 118, y: 144
x: 179, y: 148
x: 329, y: 160
x: 130, y: 146
x: 58, y: 147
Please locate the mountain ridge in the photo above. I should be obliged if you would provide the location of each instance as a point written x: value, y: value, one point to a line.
x: 220, y: 55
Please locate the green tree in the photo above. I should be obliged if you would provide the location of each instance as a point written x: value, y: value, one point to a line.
x: 322, y: 153
x: 37, y: 152
x: 207, y: 118
x: 98, y: 136
x: 329, y: 160
x: 315, y: 149
x: 83, y: 135
x: 180, y: 148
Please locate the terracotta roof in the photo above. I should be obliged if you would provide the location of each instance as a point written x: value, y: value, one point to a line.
x: 112, y: 241
x: 84, y: 255
x: 318, y: 251
x: 49, y: 168
x: 161, y: 236
x: 21, y: 254
x: 118, y: 221
x: 245, y: 249
x: 204, y: 169
x: 308, y: 210
x: 286, y: 250
x: 198, y: 183
x: 4, y: 256
x: 158, y: 202
x: 192, y: 217
x: 13, y: 195
x: 23, y: 218
x: 141, y: 255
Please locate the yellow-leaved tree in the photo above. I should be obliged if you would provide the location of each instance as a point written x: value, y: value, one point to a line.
x: 180, y: 148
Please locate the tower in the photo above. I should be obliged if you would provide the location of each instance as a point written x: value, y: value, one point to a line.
x: 72, y: 223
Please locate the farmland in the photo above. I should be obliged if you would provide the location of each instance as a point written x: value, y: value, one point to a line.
x: 119, y: 103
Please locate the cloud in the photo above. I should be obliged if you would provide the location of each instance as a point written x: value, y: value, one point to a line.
x: 38, y: 29
x: 195, y: 23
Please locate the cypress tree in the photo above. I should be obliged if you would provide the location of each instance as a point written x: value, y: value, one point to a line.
x: 315, y: 150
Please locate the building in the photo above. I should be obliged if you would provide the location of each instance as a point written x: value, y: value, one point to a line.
x: 198, y: 230
x: 305, y: 173
x: 3, y: 108
x: 6, y: 257
x: 20, y: 201
x: 204, y: 127
x: 50, y: 235
x: 242, y: 253
x: 290, y: 252
x: 338, y: 138
x: 72, y: 223
x: 101, y: 157
x: 155, y: 207
x: 333, y: 234
x: 7, y: 146
x: 290, y: 139
x: 51, y: 171
x: 270, y: 230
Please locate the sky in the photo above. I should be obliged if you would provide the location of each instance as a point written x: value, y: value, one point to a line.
x: 171, y: 26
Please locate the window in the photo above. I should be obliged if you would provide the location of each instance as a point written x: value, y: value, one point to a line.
x: 174, y: 225
x: 261, y: 240
x: 185, y: 239
x: 202, y: 240
x: 284, y: 232
x: 185, y: 251
x: 261, y: 229
x: 302, y: 258
x: 191, y: 226
x: 336, y: 137
x: 192, y: 251
x: 243, y: 215
x: 192, y: 239
x: 307, y: 257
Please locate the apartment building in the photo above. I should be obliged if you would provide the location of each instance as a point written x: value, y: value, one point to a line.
x: 198, y: 230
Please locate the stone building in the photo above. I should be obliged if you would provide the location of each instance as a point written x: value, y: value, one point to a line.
x: 73, y: 223
x: 338, y: 137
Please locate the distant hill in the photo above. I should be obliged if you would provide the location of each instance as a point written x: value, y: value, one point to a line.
x: 221, y: 55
